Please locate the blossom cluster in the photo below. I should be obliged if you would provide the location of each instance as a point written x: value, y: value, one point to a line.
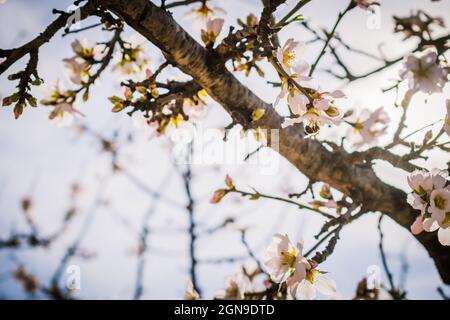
x: 79, y: 66
x: 289, y: 271
x: 286, y: 264
x: 313, y: 107
x: 156, y: 118
x: 431, y: 195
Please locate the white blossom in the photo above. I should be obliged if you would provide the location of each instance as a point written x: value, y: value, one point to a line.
x: 143, y: 123
x: 282, y: 257
x: 290, y: 55
x: 76, y: 70
x: 205, y: 12
x: 307, y: 288
x: 423, y: 72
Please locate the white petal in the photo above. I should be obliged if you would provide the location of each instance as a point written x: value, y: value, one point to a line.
x: 306, y: 290
x: 444, y: 236
x: 430, y: 225
x: 325, y: 285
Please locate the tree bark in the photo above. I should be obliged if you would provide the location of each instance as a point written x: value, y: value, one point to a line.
x: 336, y: 168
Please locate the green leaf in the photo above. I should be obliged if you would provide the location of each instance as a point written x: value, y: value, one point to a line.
x: 116, y: 100
x: 86, y: 95
x: 11, y: 99
x: 32, y: 101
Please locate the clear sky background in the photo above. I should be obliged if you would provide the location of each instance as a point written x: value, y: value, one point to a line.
x: 40, y: 160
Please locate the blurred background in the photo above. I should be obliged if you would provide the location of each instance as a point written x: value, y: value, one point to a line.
x: 50, y: 175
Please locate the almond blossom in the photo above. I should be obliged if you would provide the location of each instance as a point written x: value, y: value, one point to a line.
x: 63, y: 115
x: 133, y: 58
x: 307, y: 287
x: 85, y: 50
x: 423, y: 72
x: 282, y: 257
x: 204, y: 12
x: 440, y: 213
x: 213, y: 28
x: 296, y: 99
x: 79, y: 65
x: 77, y: 71
x: 285, y: 263
x: 367, y: 128
x: 289, y: 56
x: 431, y: 195
x: 63, y: 105
x: 322, y: 111
x: 235, y: 287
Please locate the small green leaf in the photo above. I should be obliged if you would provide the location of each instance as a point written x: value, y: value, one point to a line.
x: 86, y: 95
x: 32, y: 101
x: 116, y: 100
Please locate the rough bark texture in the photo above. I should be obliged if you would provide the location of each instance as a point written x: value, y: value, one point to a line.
x: 336, y: 168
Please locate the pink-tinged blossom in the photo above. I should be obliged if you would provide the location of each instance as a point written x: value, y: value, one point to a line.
x: 316, y: 114
x: 431, y: 195
x: 289, y: 56
x: 296, y: 100
x: 423, y: 72
x: 133, y: 60
x: 322, y: 111
x: 368, y: 128
x: 282, y: 257
x: 63, y: 106
x: 420, y: 181
x: 205, y: 12
x: 77, y: 70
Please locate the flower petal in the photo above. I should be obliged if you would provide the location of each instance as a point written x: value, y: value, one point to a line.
x: 325, y: 285
x: 306, y: 290
x: 444, y: 236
